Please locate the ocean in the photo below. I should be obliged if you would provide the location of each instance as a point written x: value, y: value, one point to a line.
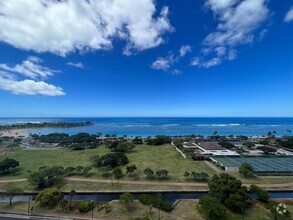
x: 151, y: 126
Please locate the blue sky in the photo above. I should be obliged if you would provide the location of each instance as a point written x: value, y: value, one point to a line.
x: 146, y: 58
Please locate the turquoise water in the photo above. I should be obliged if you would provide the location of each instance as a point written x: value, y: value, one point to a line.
x: 167, y: 126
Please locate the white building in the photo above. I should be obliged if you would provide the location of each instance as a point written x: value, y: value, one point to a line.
x: 214, y: 149
x: 209, y: 148
x: 189, y: 145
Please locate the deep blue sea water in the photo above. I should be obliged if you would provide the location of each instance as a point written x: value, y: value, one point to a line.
x: 140, y: 126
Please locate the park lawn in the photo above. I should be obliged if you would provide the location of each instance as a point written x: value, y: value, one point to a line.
x: 144, y: 156
x: 154, y: 157
x: 166, y: 157
x: 33, y: 159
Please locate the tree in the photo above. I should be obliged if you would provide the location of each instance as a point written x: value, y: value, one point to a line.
x: 260, y: 193
x: 11, y: 193
x: 230, y: 191
x: 162, y: 173
x: 148, y: 172
x: 71, y: 195
x: 49, y: 197
x: 7, y: 165
x: 238, y: 200
x: 131, y: 169
x: 215, y: 133
x: 211, y: 207
x: 137, y: 140
x: 118, y: 174
x: 226, y: 144
x: 111, y: 159
x: 125, y: 200
x: 246, y: 170
x: 63, y: 204
x: 125, y: 147
x: 46, y: 176
x: 267, y: 150
x: 186, y: 174
x: 86, y: 170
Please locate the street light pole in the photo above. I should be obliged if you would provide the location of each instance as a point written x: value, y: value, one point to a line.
x: 92, y: 209
x: 29, y: 205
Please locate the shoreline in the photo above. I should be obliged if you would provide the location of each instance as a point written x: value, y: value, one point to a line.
x: 15, y: 133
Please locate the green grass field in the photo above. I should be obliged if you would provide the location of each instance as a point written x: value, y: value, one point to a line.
x: 154, y: 157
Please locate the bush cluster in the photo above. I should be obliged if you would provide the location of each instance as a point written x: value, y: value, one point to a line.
x: 84, y: 206
x: 156, y: 202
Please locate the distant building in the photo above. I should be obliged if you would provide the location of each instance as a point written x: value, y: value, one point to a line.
x: 214, y: 149
x: 189, y: 145
x: 284, y: 152
x: 208, y: 149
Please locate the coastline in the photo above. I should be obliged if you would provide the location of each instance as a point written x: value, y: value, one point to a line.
x: 15, y: 133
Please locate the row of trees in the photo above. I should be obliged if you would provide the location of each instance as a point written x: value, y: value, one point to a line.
x: 60, y: 124
x: 78, y: 141
x: 199, y: 177
x: 161, y: 174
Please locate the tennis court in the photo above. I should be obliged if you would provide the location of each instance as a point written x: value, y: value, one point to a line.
x: 261, y: 164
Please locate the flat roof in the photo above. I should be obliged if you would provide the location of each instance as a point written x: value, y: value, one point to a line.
x: 211, y: 146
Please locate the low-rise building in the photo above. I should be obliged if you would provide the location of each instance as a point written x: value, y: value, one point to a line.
x: 189, y: 145
x: 214, y: 149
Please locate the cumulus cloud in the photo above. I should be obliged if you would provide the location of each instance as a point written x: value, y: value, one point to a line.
x: 77, y: 65
x: 61, y: 27
x: 30, y: 68
x: 163, y: 63
x: 238, y: 23
x: 11, y: 78
x: 289, y: 16
x: 166, y: 63
x: 184, y: 50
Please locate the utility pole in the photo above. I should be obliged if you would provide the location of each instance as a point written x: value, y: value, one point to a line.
x: 29, y: 205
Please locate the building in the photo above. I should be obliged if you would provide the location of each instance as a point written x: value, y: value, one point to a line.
x: 189, y: 145
x: 214, y: 149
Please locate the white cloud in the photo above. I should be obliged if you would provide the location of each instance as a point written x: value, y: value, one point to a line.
x: 30, y: 68
x: 196, y: 61
x: 29, y: 87
x: 184, y: 50
x: 289, y: 16
x: 77, y: 65
x: 163, y: 63
x: 177, y: 72
x: 166, y: 63
x: 62, y: 27
x: 238, y: 22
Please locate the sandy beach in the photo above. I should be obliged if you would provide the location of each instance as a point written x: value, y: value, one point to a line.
x: 12, y: 133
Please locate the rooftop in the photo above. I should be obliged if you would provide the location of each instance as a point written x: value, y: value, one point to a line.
x: 210, y: 146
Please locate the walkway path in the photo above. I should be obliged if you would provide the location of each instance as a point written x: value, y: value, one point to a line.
x: 149, y: 183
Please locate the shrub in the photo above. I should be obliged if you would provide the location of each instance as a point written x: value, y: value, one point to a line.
x: 49, y: 197
x: 211, y: 207
x: 156, y: 202
x: 260, y: 193
x: 85, y: 206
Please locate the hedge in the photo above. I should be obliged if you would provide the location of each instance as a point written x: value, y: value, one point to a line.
x: 156, y: 202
